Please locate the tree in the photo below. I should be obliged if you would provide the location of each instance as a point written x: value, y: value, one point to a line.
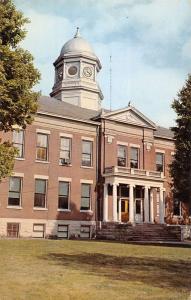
x: 180, y: 168
x: 18, y: 102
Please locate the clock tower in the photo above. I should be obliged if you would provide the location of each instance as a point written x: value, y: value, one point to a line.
x: 76, y: 71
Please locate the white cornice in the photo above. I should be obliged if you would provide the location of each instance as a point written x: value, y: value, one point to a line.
x: 67, y: 118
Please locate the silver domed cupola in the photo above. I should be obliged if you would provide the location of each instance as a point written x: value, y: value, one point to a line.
x: 77, y: 45
x: 76, y: 71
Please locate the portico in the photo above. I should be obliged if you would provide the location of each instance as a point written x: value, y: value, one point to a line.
x: 133, y: 197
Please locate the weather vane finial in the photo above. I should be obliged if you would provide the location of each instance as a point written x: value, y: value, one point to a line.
x: 77, y: 32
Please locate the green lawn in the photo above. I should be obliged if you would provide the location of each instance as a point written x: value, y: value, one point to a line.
x: 45, y: 269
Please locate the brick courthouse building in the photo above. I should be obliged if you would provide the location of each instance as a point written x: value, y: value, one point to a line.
x: 79, y: 164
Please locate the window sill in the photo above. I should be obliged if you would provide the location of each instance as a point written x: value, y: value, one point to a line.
x: 40, y: 208
x: 86, y: 167
x: 69, y: 165
x: 64, y: 210
x: 19, y: 158
x: 86, y: 211
x: 14, y: 207
x: 122, y: 166
x: 42, y: 161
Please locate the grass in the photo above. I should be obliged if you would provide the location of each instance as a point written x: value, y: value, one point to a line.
x: 90, y: 270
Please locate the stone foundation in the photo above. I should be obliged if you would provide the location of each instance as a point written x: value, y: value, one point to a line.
x: 186, y: 232
x: 76, y: 229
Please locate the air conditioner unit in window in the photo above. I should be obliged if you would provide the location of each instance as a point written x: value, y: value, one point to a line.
x: 64, y: 161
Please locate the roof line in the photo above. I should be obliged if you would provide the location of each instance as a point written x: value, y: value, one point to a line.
x: 164, y: 137
x: 67, y: 117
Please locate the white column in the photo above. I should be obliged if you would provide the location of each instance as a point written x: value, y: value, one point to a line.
x: 161, y: 206
x: 151, y: 206
x: 114, y: 202
x: 119, y: 210
x: 105, y: 204
x: 131, y: 203
x: 146, y: 205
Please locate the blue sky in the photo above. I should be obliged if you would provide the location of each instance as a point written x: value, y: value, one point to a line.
x: 149, y: 40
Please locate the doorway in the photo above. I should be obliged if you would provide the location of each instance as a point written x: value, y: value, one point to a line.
x: 138, y: 210
x: 124, y: 210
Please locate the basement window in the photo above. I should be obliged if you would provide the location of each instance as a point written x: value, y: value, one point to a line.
x: 62, y: 231
x: 85, y: 231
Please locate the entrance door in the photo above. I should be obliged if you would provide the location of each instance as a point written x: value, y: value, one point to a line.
x: 138, y: 210
x: 124, y: 210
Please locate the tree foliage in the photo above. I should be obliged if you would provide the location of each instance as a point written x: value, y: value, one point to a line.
x: 7, y: 154
x: 180, y: 168
x: 18, y: 102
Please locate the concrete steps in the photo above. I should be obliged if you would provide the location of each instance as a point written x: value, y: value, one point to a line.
x: 138, y: 232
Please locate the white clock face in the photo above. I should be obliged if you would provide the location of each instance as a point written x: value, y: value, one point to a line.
x: 87, y: 71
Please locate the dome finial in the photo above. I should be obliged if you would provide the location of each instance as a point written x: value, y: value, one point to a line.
x: 77, y: 32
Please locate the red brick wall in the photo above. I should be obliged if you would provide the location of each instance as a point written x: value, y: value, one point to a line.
x: 52, y: 169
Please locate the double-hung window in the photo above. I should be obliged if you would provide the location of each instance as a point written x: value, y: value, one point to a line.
x: 85, y: 196
x: 40, y: 193
x: 134, y: 160
x: 87, y: 147
x: 121, y: 156
x: 65, y: 150
x: 42, y: 147
x: 14, y: 198
x: 63, y: 197
x: 18, y: 142
x: 160, y: 162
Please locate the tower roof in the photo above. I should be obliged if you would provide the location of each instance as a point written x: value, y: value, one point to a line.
x: 77, y: 45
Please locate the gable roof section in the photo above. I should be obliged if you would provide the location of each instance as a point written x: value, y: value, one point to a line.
x: 162, y: 132
x: 54, y: 107
x: 129, y: 115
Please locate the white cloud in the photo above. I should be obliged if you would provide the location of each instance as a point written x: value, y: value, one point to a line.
x: 142, y: 46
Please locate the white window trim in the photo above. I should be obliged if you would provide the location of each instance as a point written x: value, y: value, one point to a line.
x: 42, y: 161
x: 134, y: 145
x: 86, y: 181
x: 21, y: 175
x: 40, y: 208
x: 65, y: 179
x: 43, y: 131
x: 41, y: 177
x: 19, y: 158
x: 86, y: 167
x: 86, y: 138
x: 14, y: 207
x: 44, y: 177
x: 90, y: 182
x: 15, y: 174
x: 69, y: 180
x: 67, y: 135
x: 23, y: 143
x: 160, y: 151
x: 92, y: 152
x: 122, y: 143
